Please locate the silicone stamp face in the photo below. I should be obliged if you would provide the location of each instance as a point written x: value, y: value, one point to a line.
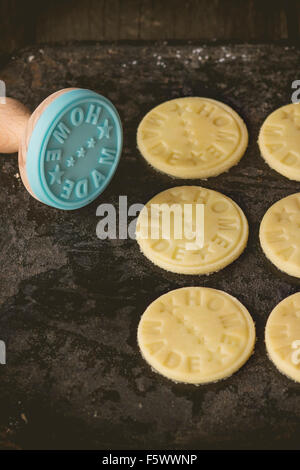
x: 279, y: 141
x: 196, y: 335
x: 225, y: 231
x: 192, y: 137
x: 282, y: 336
x: 74, y: 149
x: 280, y: 234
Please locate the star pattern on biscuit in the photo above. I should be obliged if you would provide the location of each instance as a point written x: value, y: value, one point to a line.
x: 205, y: 251
x: 287, y: 114
x: 283, y: 215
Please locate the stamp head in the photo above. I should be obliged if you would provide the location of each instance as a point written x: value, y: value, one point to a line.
x: 71, y: 148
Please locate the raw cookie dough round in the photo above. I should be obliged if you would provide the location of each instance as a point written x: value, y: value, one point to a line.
x: 282, y: 336
x: 279, y: 141
x: 225, y: 231
x: 279, y: 234
x: 196, y: 335
x: 192, y: 137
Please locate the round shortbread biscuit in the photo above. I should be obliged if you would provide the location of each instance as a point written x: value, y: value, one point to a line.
x: 279, y: 234
x: 196, y: 335
x: 282, y: 336
x: 192, y: 137
x: 225, y: 230
x: 279, y: 141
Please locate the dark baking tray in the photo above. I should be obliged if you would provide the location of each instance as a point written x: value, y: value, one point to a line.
x: 71, y: 303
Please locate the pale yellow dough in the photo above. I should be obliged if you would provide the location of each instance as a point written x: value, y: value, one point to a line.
x: 225, y: 231
x: 279, y: 141
x: 282, y: 336
x: 196, y: 335
x: 192, y: 137
x: 280, y: 234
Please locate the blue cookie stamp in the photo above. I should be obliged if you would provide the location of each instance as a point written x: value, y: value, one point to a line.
x: 74, y: 149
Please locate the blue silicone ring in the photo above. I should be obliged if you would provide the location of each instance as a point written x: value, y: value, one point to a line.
x: 74, y: 149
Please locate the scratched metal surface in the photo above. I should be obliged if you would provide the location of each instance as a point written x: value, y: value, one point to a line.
x: 70, y: 303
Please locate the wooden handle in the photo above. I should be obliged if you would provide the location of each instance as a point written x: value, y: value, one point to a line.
x: 14, y: 117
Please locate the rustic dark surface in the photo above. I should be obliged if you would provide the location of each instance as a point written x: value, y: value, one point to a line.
x: 70, y: 303
x: 35, y: 22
